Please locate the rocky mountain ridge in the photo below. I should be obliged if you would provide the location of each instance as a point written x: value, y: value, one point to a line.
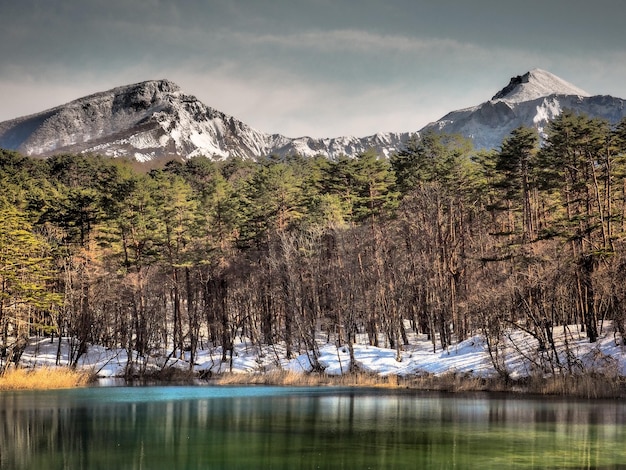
x: 156, y: 120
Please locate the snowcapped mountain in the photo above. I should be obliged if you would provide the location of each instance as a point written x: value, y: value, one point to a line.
x: 155, y: 119
x: 533, y: 100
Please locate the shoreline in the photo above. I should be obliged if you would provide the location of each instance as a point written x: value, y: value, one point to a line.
x: 574, y: 386
x: 585, y: 386
x: 571, y: 386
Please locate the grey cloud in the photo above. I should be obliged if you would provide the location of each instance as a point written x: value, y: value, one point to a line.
x: 326, y: 62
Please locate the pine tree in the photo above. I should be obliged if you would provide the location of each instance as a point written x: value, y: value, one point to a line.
x: 273, y: 201
x: 25, y: 272
x: 515, y: 164
x: 374, y: 187
x: 432, y: 157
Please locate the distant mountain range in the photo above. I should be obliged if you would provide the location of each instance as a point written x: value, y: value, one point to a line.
x: 156, y: 120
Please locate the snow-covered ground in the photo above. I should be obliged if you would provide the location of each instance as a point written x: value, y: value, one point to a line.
x: 518, y: 355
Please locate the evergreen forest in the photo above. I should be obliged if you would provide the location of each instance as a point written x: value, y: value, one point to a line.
x: 438, y: 238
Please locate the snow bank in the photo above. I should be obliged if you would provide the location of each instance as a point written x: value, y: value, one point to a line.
x: 518, y: 355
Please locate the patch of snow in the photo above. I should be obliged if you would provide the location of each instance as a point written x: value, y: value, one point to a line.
x: 205, y: 143
x: 144, y: 140
x: 546, y: 111
x: 519, y: 356
x: 143, y: 157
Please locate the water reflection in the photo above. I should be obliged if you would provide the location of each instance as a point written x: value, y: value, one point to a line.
x: 238, y: 428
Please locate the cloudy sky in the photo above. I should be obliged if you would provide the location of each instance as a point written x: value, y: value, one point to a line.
x: 322, y: 68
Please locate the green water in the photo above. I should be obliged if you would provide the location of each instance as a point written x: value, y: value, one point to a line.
x: 303, y: 428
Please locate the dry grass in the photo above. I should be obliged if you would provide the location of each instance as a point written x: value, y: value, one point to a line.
x: 449, y: 382
x: 281, y: 377
x: 44, y: 378
x: 277, y: 377
x: 453, y: 382
x: 581, y: 385
x: 362, y: 379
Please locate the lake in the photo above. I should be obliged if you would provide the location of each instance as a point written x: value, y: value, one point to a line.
x: 210, y: 427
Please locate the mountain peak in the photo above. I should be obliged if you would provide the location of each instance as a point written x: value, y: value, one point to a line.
x: 534, y: 84
x: 162, y: 85
x: 148, y: 90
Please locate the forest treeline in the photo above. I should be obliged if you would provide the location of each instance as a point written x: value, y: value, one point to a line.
x: 439, y: 238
